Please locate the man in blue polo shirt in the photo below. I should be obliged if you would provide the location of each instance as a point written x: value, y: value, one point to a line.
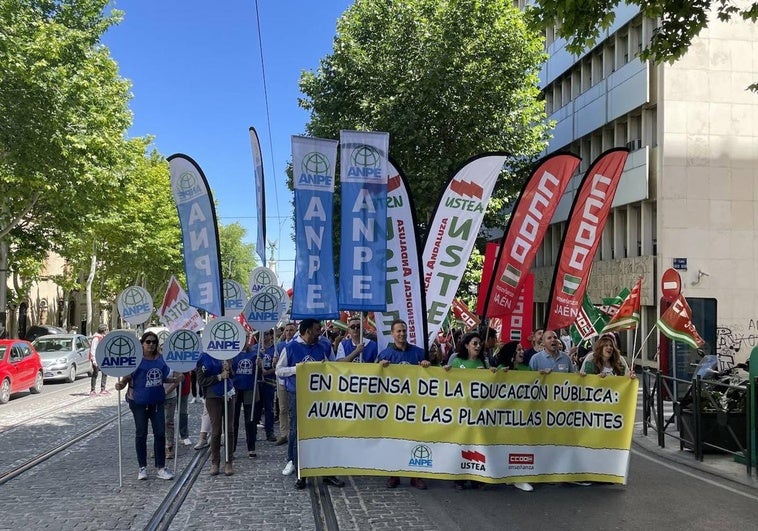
x: 551, y: 358
x: 402, y: 352
x: 352, y: 348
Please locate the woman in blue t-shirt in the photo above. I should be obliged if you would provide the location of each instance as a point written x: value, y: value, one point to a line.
x: 145, y: 396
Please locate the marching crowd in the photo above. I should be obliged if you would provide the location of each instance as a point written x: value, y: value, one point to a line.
x: 263, y: 374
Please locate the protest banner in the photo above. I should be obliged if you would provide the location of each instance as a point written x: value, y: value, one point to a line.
x: 464, y: 424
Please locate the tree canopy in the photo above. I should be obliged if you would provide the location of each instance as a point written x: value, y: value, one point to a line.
x: 581, y: 21
x: 237, y: 257
x: 447, y: 80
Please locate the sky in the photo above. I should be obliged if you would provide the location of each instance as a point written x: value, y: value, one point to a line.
x: 197, y: 86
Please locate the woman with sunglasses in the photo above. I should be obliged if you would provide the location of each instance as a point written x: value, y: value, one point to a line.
x: 145, y: 396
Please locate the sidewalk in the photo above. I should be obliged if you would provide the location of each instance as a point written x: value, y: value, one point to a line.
x: 716, y: 464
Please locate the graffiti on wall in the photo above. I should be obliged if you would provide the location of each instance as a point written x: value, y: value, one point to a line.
x: 735, y: 337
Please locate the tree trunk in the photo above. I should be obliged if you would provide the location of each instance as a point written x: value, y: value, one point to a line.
x: 3, y: 283
x: 90, y: 278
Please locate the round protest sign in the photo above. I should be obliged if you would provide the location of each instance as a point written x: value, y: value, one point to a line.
x: 119, y: 353
x: 264, y: 309
x: 261, y: 277
x: 234, y: 296
x: 181, y: 350
x: 135, y: 305
x: 223, y: 338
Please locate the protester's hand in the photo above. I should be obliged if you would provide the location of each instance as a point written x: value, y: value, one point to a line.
x: 505, y: 369
x: 384, y: 363
x: 359, y: 349
x: 632, y: 375
x: 493, y: 370
x: 119, y: 386
x: 603, y: 375
x: 425, y: 363
x: 223, y: 375
x: 546, y: 371
x: 447, y: 368
x: 582, y: 373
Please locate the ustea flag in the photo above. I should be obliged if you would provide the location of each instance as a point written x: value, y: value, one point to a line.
x: 586, y: 220
x: 452, y: 233
x: 363, y: 241
x: 313, y: 164
x: 197, y: 217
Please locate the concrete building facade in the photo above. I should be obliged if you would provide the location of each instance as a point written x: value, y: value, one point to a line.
x: 688, y: 193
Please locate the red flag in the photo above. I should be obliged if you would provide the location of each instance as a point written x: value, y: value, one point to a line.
x: 526, y: 229
x: 586, y: 220
x: 676, y: 323
x: 462, y: 313
x: 628, y: 314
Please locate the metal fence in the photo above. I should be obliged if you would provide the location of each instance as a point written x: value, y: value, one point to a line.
x: 710, y: 416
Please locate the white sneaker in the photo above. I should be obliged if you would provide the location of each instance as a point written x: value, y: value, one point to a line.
x: 142, y: 473
x: 187, y: 442
x: 200, y: 400
x: 164, y: 474
x: 288, y: 469
x: 192, y: 400
x: 526, y: 487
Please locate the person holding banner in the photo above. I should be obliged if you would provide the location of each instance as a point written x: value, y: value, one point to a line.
x: 352, y: 348
x: 264, y: 406
x: 606, y: 359
x: 511, y: 357
x: 243, y: 366
x: 536, y: 344
x: 551, y: 358
x: 306, y: 347
x: 469, y: 353
x: 145, y: 396
x: 281, y: 390
x: 214, y: 376
x: 400, y: 351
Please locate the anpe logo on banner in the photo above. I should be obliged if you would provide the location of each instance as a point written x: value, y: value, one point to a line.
x: 314, y: 170
x: 182, y: 350
x: 119, y: 353
x: 421, y: 456
x: 135, y: 305
x: 223, y: 337
x: 473, y: 460
x: 188, y: 188
x: 234, y: 295
x: 521, y: 461
x: 365, y: 162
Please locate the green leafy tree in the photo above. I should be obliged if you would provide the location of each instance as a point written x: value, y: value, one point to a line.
x: 237, y: 257
x: 581, y: 22
x: 447, y: 80
x: 63, y: 114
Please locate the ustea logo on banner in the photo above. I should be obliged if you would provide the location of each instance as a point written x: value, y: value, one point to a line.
x: 365, y: 164
x: 473, y: 460
x: 314, y: 173
x: 421, y: 456
x: 187, y: 187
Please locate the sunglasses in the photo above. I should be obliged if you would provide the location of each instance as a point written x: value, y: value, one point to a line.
x: 150, y: 341
x: 355, y: 327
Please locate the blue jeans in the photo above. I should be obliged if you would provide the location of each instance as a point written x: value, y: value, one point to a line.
x: 292, y: 439
x: 265, y: 407
x: 153, y: 413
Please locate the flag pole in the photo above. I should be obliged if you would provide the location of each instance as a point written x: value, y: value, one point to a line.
x: 637, y: 353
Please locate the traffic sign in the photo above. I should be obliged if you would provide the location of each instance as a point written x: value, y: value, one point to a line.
x: 671, y: 284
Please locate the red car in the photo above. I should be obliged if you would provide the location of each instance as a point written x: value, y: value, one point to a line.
x: 20, y: 368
